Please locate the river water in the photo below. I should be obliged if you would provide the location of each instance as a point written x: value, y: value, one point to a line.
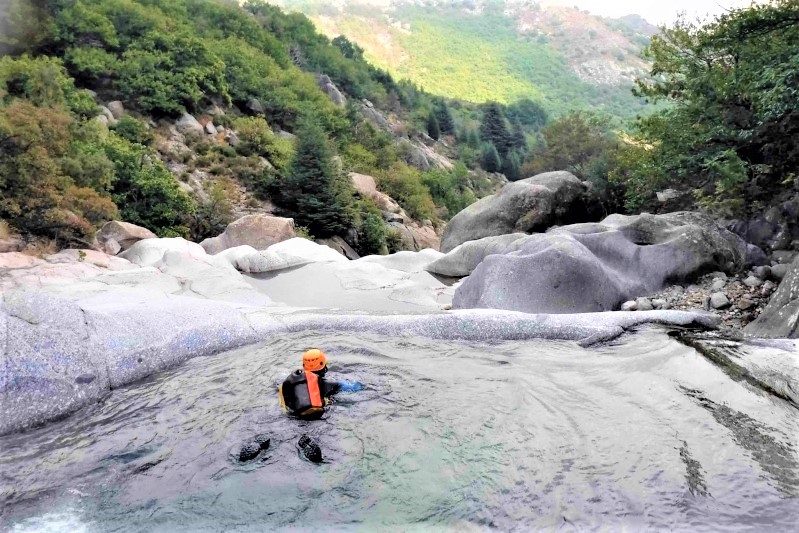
x: 643, y: 433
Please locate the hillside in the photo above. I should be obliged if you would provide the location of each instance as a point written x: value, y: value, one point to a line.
x: 479, y: 51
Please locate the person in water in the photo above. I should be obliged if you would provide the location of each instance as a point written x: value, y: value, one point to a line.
x: 307, y: 391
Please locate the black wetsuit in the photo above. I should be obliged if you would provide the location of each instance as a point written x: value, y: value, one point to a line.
x: 302, y: 397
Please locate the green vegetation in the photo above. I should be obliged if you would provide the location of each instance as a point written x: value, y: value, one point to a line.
x: 321, y: 195
x: 448, y: 49
x: 63, y: 172
x: 729, y: 135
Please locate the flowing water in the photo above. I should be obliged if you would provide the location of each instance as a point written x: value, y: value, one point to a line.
x: 643, y: 433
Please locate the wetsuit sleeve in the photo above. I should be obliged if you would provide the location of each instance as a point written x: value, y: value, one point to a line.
x: 330, y: 387
x: 349, y: 386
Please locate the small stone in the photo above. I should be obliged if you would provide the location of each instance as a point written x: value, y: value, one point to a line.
x: 768, y: 286
x: 659, y: 303
x: 706, y: 303
x: 752, y: 281
x: 249, y: 451
x: 718, y: 275
x: 210, y: 129
x: 718, y: 284
x: 718, y: 300
x: 112, y: 246
x: 644, y: 304
x: 744, y: 304
x: 762, y: 272
x: 692, y: 288
x: 629, y: 306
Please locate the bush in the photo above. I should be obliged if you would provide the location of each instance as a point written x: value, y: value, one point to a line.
x: 134, y: 130
x: 404, y: 184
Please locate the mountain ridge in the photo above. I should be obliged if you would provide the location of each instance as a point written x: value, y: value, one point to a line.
x: 481, y: 51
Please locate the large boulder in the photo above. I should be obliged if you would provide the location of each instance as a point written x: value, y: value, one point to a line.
x: 366, y: 187
x: 123, y: 234
x: 462, y: 260
x: 287, y: 254
x: 529, y: 205
x: 330, y: 89
x: 258, y: 231
x: 597, y: 266
x: 187, y: 125
x: 780, y: 318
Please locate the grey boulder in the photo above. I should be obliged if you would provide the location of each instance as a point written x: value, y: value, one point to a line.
x: 780, y: 318
x: 187, y: 124
x: 259, y: 231
x: 597, y: 266
x: 532, y: 204
x: 464, y: 258
x: 116, y: 235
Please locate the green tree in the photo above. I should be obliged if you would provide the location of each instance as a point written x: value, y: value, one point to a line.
x: 573, y: 142
x: 433, y: 129
x: 444, y: 117
x: 494, y: 130
x: 733, y: 86
x: 489, y: 158
x: 315, y: 186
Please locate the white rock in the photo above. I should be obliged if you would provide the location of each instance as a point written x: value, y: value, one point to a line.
x: 718, y: 300
x: 718, y: 284
x: 150, y: 251
x: 629, y: 306
x: 644, y: 304
x: 752, y: 281
x: 405, y: 261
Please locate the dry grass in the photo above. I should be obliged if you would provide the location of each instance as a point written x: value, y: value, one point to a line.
x: 41, y: 247
x: 5, y: 230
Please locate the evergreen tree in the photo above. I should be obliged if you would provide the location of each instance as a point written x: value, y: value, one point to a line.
x: 511, y: 166
x: 493, y: 128
x: 518, y: 139
x: 445, y: 123
x: 313, y: 183
x: 433, y: 129
x: 489, y: 158
x: 472, y: 139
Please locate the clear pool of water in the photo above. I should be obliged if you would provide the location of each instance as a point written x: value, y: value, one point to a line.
x: 643, y: 433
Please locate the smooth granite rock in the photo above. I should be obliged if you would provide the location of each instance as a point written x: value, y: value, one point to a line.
x: 464, y: 258
x: 532, y: 204
x: 780, y: 318
x: 597, y: 266
x: 259, y: 231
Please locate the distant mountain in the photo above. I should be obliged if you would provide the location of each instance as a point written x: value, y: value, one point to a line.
x: 479, y: 50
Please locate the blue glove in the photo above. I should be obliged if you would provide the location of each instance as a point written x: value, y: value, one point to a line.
x: 349, y: 386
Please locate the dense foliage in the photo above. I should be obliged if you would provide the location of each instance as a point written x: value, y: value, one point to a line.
x: 731, y: 131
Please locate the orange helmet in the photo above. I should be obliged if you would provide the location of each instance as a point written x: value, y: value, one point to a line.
x: 314, y: 360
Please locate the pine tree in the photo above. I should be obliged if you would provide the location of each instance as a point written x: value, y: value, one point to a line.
x: 489, y: 158
x: 493, y: 129
x: 472, y: 139
x: 313, y: 184
x: 518, y: 139
x: 433, y: 129
x: 445, y: 123
x: 511, y: 166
